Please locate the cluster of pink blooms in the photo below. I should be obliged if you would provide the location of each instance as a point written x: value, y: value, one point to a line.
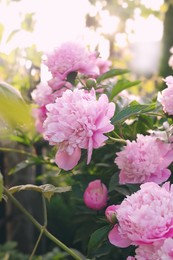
x: 145, y: 219
x: 96, y: 195
x: 76, y: 121
x: 166, y: 96
x: 72, y: 118
x: 144, y: 160
x: 68, y: 58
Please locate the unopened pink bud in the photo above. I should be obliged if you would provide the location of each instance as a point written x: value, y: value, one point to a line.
x: 96, y: 195
x: 110, y: 213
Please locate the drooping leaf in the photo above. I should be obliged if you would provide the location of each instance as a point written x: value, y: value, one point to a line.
x: 121, y: 85
x: 48, y: 190
x: 13, y: 109
x: 97, y: 238
x: 111, y: 73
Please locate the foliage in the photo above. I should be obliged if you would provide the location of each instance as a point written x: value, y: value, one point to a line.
x: 65, y: 215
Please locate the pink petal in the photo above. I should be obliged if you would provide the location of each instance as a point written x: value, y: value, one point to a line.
x: 116, y: 239
x: 66, y: 161
x: 160, y: 178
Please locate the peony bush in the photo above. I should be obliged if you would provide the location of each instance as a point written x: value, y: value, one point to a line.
x: 113, y: 148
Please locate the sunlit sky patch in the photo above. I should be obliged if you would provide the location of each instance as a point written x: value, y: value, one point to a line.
x: 57, y: 21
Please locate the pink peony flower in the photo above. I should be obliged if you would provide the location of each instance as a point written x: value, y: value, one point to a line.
x: 96, y: 195
x: 42, y: 94
x: 40, y: 115
x: 110, y: 213
x: 159, y: 250
x: 103, y: 65
x: 165, y: 97
x: 69, y: 57
x: 144, y: 217
x: 144, y: 160
x: 76, y: 121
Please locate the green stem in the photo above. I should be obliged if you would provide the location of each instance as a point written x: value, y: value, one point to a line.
x: 40, y: 227
x: 3, y: 149
x: 118, y: 140
x: 42, y: 231
x: 36, y: 244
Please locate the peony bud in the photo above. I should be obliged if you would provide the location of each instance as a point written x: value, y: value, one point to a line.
x: 96, y: 195
x: 110, y: 214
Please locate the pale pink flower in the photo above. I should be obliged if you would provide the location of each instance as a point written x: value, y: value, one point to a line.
x: 110, y: 213
x: 103, y: 65
x: 39, y: 114
x: 144, y: 160
x: 160, y: 250
x: 42, y: 94
x: 76, y: 121
x: 70, y: 57
x: 165, y: 97
x: 96, y: 195
x: 144, y: 217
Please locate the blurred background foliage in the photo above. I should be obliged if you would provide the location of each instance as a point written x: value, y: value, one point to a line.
x: 112, y: 26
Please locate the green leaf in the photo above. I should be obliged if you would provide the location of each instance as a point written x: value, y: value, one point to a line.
x: 1, y: 186
x: 121, y: 85
x: 12, y: 34
x: 97, y: 238
x: 114, y: 181
x: 13, y: 109
x: 111, y: 73
x: 132, y: 110
x: 48, y: 190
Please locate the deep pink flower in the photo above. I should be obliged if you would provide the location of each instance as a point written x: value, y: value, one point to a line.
x: 144, y: 160
x: 76, y: 121
x: 70, y: 57
x: 96, y: 195
x: 166, y: 96
x: 144, y: 217
x: 110, y: 213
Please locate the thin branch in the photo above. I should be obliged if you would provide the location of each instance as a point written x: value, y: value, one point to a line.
x: 42, y: 231
x: 40, y: 227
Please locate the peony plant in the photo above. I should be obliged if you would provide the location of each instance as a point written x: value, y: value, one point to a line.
x: 113, y: 148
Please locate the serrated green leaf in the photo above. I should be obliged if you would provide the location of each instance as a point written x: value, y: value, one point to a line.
x: 97, y: 238
x: 132, y: 110
x: 1, y: 186
x: 111, y: 73
x: 121, y: 85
